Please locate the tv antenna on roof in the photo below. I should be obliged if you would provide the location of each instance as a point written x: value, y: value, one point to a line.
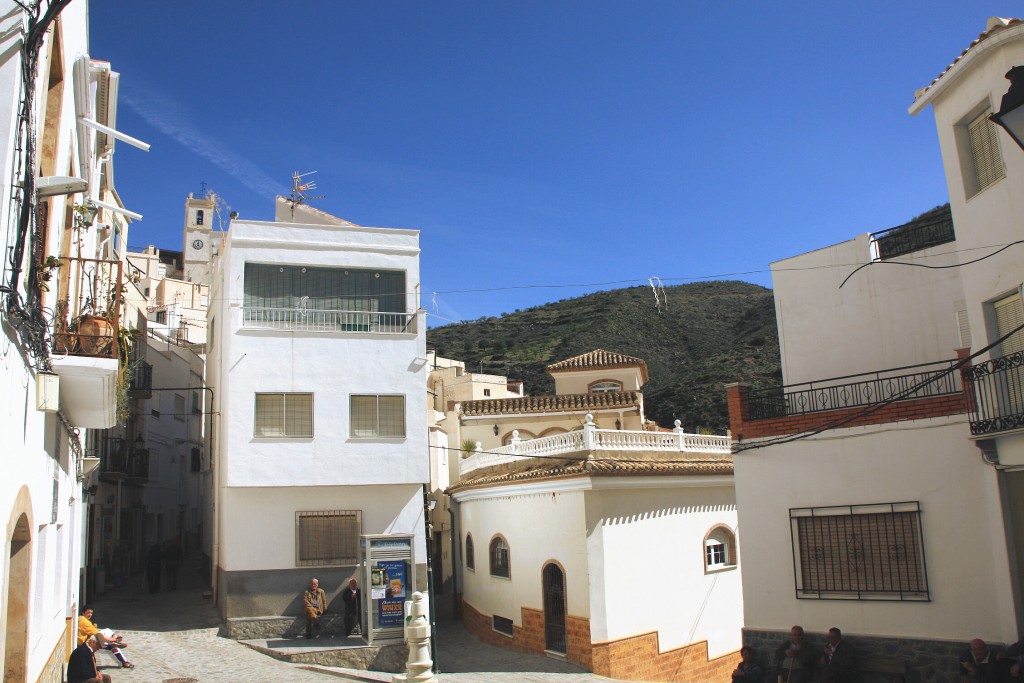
x: 300, y: 188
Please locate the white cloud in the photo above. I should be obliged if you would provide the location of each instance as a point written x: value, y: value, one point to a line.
x: 171, y: 119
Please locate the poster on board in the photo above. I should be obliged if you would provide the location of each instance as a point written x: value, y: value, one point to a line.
x: 393, y: 577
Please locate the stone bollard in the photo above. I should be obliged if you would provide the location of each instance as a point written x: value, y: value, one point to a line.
x: 418, y: 666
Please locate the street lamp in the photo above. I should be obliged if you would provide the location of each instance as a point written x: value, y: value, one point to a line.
x: 1011, y: 110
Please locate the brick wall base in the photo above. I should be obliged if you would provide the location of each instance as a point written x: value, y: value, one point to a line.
x: 636, y: 658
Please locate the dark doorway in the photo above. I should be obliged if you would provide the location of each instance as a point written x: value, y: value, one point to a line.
x: 554, y: 609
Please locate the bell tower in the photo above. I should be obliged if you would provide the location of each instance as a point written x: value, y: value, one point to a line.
x: 198, y: 250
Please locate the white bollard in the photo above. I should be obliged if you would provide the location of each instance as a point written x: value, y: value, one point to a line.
x: 418, y: 666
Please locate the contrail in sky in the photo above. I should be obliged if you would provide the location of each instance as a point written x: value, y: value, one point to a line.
x: 173, y: 120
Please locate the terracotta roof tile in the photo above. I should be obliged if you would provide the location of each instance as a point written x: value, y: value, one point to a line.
x: 550, y: 404
x: 607, y: 464
x: 599, y: 358
x: 987, y: 33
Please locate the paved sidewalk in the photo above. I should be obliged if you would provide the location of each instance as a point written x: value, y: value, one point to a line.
x: 174, y: 635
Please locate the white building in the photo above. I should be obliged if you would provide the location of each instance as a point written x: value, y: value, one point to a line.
x: 886, y: 490
x: 600, y: 541
x: 317, y: 364
x: 61, y: 313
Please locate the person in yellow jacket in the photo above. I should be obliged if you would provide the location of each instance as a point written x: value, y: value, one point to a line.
x: 105, y: 638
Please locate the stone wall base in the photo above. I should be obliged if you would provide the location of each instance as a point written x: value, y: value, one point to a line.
x: 927, y: 660
x: 637, y: 658
x: 265, y: 628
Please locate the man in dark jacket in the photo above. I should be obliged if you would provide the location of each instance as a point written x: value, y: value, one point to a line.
x: 795, y: 658
x: 352, y: 596
x: 839, y: 664
x: 82, y: 664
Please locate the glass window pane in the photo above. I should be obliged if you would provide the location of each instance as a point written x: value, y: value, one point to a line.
x: 364, y: 416
x: 269, y: 415
x: 392, y: 415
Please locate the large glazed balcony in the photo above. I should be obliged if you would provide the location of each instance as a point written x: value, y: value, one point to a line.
x: 930, y: 230
x: 996, y: 389
x: 322, y: 299
x: 85, y: 348
x: 905, y: 393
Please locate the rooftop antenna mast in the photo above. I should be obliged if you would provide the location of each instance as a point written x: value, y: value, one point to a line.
x: 300, y: 188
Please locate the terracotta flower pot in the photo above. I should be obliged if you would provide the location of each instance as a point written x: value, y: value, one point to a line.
x: 96, y: 335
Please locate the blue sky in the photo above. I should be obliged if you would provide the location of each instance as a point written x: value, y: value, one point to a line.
x: 542, y: 146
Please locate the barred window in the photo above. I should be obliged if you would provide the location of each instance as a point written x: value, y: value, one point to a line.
x: 860, y: 552
x: 499, y: 557
x: 470, y: 556
x: 327, y: 537
x: 284, y: 415
x: 378, y: 416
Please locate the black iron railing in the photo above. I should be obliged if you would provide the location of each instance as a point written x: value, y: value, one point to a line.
x: 141, y: 384
x: 996, y: 388
x: 923, y: 381
x: 914, y: 236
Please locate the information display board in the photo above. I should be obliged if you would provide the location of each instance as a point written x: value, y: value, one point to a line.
x: 389, y: 571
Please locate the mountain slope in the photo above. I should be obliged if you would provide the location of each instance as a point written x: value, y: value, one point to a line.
x: 705, y: 335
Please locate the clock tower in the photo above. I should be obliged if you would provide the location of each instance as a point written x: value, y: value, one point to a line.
x: 198, y: 250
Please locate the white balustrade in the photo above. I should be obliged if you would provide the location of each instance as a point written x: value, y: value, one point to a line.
x: 602, y: 440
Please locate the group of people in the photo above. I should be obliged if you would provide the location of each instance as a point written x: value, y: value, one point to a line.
x: 82, y: 663
x: 314, y: 601
x: 796, y: 661
x: 168, y: 558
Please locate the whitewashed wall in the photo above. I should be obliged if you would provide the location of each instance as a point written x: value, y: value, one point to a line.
x: 885, y: 316
x: 930, y: 461
x: 540, y: 525
x: 646, y: 548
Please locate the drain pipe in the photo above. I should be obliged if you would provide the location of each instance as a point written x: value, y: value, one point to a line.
x: 429, y: 532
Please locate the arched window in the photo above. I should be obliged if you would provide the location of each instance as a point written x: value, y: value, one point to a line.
x: 499, y: 557
x: 470, y: 559
x: 605, y: 386
x: 719, y: 549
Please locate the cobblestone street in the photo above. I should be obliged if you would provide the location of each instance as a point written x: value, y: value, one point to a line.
x: 173, y: 636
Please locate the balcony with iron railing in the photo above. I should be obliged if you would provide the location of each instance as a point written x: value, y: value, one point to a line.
x: 929, y: 231
x: 86, y: 339
x: 909, y: 392
x: 590, y: 439
x: 299, y: 319
x: 996, y: 395
x: 122, y: 461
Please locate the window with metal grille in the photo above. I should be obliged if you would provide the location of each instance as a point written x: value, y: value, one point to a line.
x: 327, y: 537
x: 860, y: 552
x: 284, y: 415
x: 986, y: 161
x: 470, y: 555
x: 499, y: 557
x: 377, y: 416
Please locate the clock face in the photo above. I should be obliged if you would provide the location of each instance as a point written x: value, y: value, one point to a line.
x: 197, y: 244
